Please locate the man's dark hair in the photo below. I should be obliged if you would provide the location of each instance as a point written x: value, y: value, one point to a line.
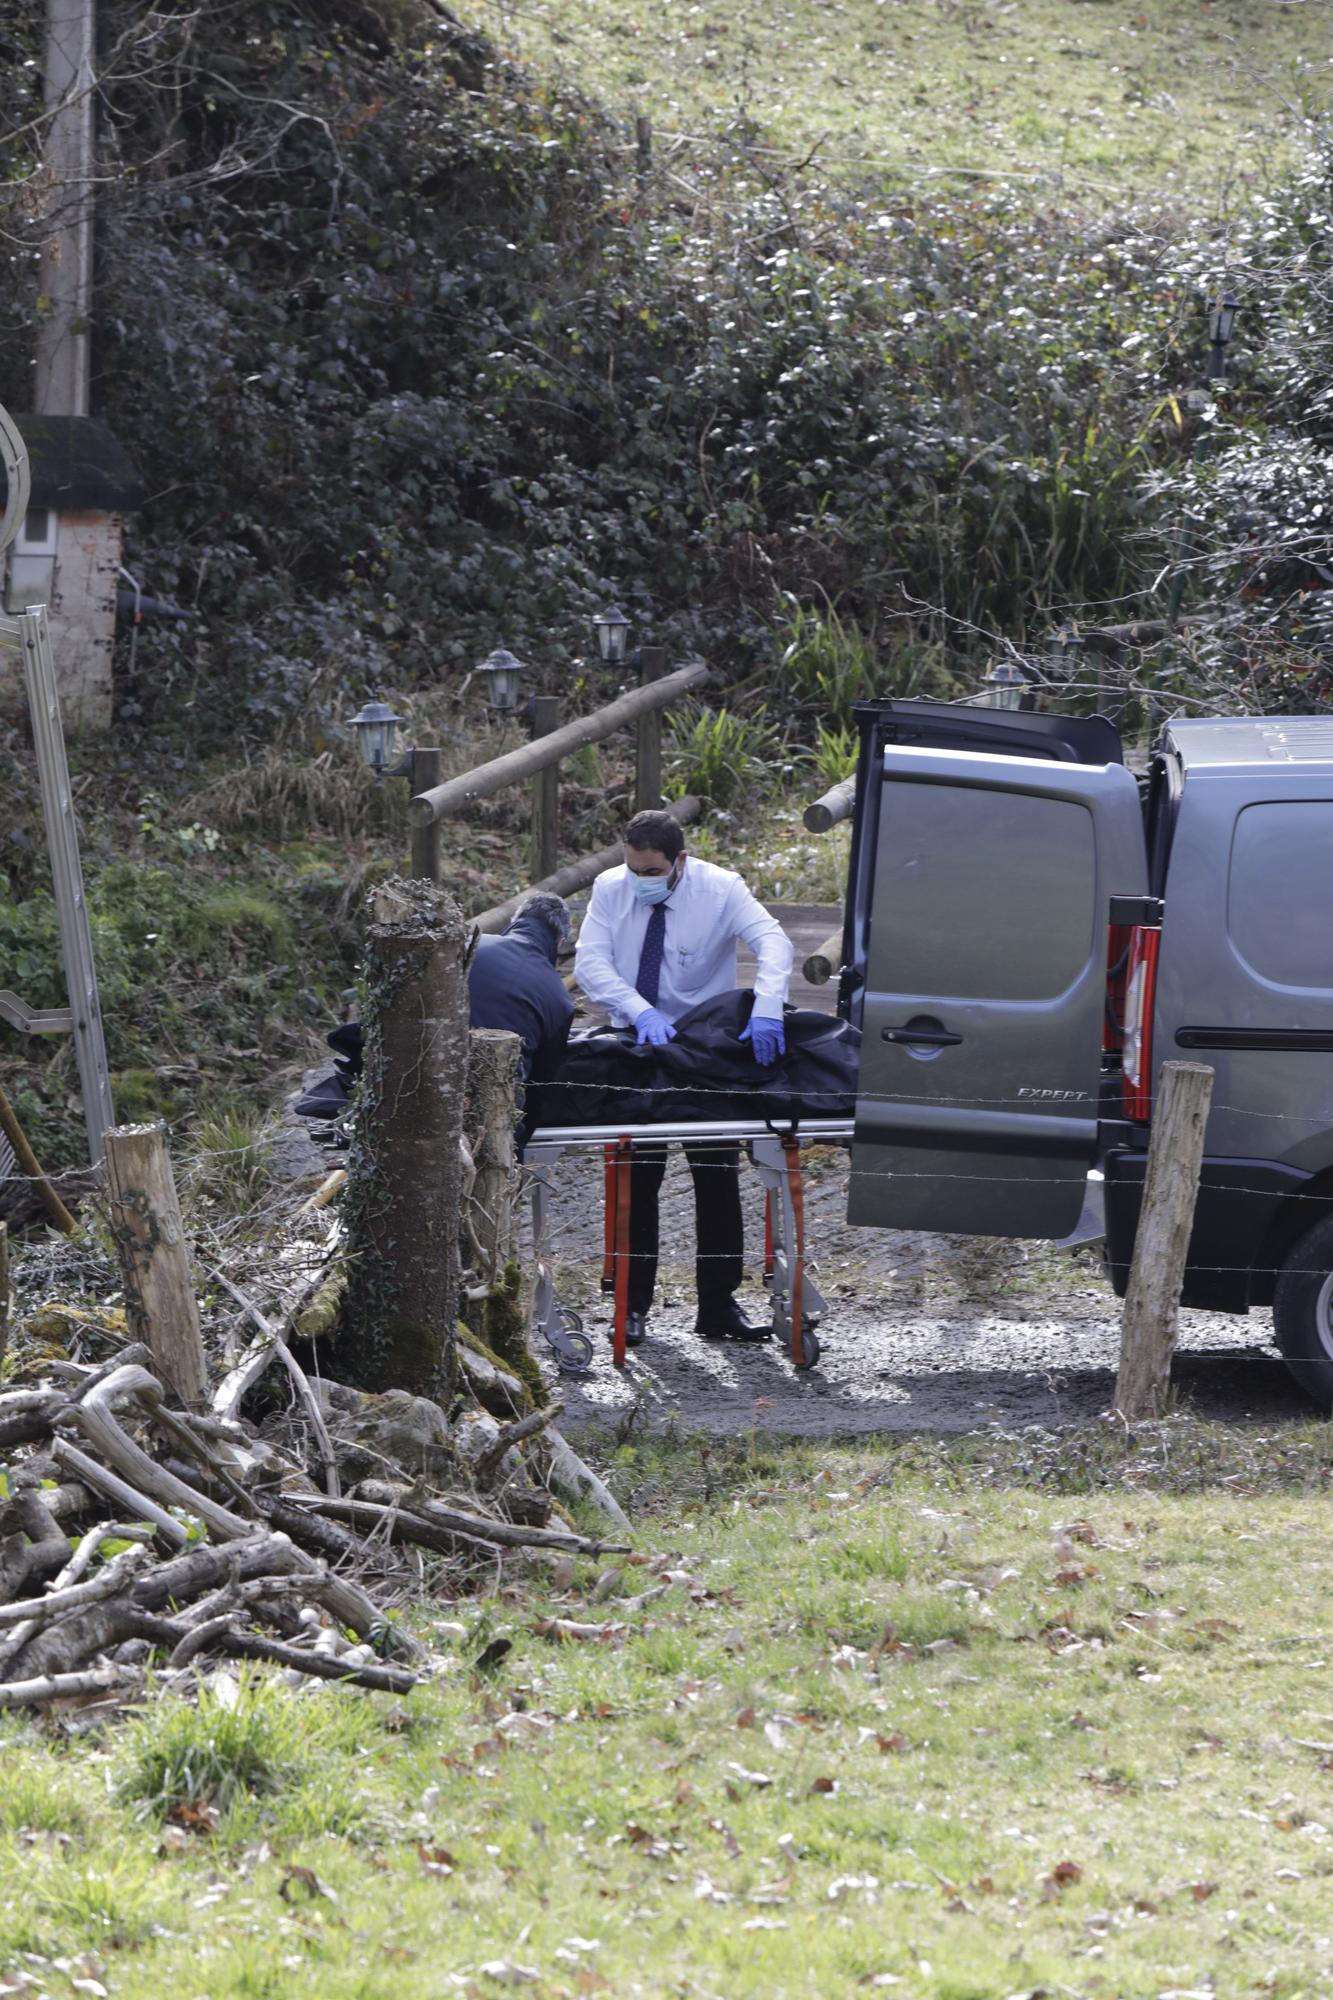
x: 659, y: 830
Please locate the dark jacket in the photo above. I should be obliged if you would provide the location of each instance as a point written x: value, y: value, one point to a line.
x: 512, y: 983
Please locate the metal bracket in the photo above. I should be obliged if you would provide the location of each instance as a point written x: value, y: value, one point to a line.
x: 34, y: 1020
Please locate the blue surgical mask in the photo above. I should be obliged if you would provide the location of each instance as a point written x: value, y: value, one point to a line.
x: 652, y: 888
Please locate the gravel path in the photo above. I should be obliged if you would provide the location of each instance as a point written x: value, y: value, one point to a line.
x: 922, y: 1332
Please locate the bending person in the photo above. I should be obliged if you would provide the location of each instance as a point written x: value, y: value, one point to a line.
x: 659, y: 937
x: 512, y: 983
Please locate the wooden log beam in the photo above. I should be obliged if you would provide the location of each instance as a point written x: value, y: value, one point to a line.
x: 516, y: 765
x: 834, y: 806
x: 32, y: 1172
x: 576, y: 875
x: 825, y: 960
x: 160, y: 1304
x: 1171, y: 1186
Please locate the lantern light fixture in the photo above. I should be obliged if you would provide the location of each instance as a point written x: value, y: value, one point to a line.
x: 502, y: 674
x: 1003, y: 685
x: 376, y: 728
x: 612, y: 629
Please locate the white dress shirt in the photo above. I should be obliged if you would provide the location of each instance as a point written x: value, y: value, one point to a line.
x: 709, y: 909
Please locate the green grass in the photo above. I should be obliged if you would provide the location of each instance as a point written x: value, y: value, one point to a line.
x: 899, y: 1715
x: 1111, y: 95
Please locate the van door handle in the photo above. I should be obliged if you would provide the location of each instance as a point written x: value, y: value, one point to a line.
x: 935, y: 1038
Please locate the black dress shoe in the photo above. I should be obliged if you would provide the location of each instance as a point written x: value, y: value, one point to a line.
x: 728, y: 1322
x: 636, y: 1330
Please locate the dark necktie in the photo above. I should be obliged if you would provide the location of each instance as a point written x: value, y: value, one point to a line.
x: 650, y: 958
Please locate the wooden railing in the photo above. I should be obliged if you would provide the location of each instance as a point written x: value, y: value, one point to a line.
x: 538, y: 763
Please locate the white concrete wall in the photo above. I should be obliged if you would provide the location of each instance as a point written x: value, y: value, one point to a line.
x: 83, y: 622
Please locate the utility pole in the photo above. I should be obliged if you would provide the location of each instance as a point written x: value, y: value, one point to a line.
x: 65, y: 270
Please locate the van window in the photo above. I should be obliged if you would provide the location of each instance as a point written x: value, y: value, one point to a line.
x: 1280, y: 895
x: 981, y: 894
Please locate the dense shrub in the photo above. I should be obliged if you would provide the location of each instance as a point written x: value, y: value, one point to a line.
x: 409, y: 366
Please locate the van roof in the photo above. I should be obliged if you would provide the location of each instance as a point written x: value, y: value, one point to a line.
x: 1257, y: 742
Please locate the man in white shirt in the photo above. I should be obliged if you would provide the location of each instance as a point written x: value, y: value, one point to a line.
x: 659, y: 937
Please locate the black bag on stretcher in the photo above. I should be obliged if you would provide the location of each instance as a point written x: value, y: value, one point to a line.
x: 705, y: 1075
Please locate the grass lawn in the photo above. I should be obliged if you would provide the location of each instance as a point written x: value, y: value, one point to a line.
x: 1131, y: 97
x: 900, y: 1720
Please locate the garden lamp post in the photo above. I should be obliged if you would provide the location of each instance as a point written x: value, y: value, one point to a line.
x: 377, y: 728
x: 612, y: 629
x: 1003, y: 685
x: 502, y: 674
x: 1222, y: 308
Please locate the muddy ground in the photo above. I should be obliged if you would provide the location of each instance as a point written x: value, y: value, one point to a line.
x: 922, y: 1332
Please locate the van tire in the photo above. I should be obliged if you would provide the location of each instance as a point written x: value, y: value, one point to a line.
x: 1303, y: 1311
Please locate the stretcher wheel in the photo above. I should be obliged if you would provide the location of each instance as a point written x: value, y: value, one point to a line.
x: 810, y: 1348
x: 579, y: 1361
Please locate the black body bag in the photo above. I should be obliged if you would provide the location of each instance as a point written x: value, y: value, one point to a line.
x: 706, y: 1074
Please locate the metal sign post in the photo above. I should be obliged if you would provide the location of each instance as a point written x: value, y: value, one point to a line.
x: 29, y: 635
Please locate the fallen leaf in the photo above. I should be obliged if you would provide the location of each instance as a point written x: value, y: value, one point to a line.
x: 746, y: 1719
x: 505, y: 1973
x: 489, y: 1658
x: 1201, y: 1891
x: 892, y: 1743
x: 1062, y: 1876
x: 563, y: 1572
x: 198, y: 1818
x: 304, y: 1878
x: 436, y: 1860
x: 824, y: 1785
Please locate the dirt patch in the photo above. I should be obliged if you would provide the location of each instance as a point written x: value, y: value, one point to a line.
x: 922, y: 1332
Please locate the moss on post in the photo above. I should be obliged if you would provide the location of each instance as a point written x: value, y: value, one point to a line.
x: 405, y: 1169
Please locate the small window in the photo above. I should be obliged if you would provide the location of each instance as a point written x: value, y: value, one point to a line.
x: 37, y: 536
x: 1280, y: 896
x: 980, y: 894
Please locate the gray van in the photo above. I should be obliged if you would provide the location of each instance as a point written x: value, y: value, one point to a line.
x: 1031, y: 932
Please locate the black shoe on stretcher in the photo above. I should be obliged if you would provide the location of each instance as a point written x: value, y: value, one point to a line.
x: 728, y: 1322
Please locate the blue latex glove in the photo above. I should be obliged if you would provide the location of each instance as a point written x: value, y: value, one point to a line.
x: 768, y: 1038
x: 655, y: 1028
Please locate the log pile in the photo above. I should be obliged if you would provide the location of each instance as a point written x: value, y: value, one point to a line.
x: 138, y: 1536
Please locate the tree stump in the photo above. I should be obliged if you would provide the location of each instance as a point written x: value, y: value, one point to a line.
x: 405, y: 1169
x: 160, y: 1305
x: 498, y: 1305
x: 1152, y: 1300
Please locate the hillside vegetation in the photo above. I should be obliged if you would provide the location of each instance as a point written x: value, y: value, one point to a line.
x: 415, y: 359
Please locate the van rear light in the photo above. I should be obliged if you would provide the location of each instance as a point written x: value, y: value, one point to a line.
x: 1135, y: 937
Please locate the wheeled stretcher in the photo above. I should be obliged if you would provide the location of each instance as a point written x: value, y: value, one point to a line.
x: 798, y: 1304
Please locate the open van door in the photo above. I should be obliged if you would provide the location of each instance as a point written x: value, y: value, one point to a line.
x: 984, y: 986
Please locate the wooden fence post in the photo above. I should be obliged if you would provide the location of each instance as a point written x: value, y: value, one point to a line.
x: 545, y: 793
x: 160, y: 1305
x: 1152, y: 1302
x: 405, y: 1171
x: 494, y: 1080
x: 425, y: 839
x: 648, y: 746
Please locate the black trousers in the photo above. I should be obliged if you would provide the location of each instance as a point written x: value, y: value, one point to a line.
x: 718, y: 1228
